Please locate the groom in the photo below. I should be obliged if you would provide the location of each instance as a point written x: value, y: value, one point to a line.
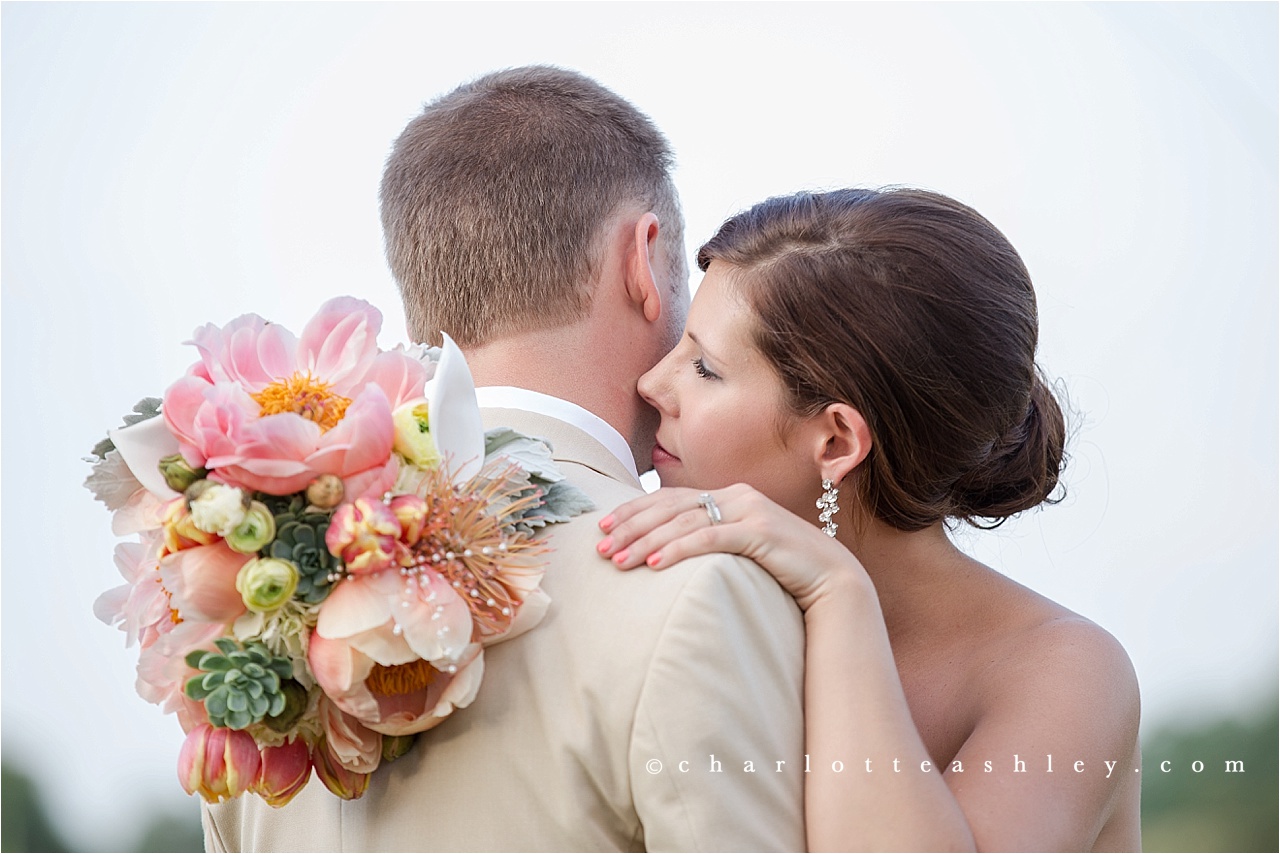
x: 531, y: 215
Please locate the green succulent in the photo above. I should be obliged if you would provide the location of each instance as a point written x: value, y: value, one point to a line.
x: 295, y: 706
x: 240, y: 685
x: 300, y: 539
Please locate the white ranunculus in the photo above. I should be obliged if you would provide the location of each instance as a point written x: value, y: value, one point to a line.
x: 219, y: 510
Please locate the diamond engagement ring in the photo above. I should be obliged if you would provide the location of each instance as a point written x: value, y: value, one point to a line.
x: 709, y: 504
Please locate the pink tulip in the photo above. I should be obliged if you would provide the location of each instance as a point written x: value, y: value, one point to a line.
x: 366, y: 535
x: 348, y: 785
x: 285, y: 770
x: 218, y: 763
x: 411, y: 511
x: 271, y: 412
x: 202, y: 582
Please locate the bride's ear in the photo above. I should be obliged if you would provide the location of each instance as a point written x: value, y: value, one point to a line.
x: 846, y: 441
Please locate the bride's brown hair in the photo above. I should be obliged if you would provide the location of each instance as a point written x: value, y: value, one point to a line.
x: 915, y: 310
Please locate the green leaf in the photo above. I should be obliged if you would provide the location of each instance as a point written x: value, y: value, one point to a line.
x: 227, y: 645
x: 216, y: 703
x: 239, y: 720
x: 195, y: 688
x: 278, y: 702
x: 194, y: 657
x: 237, y: 701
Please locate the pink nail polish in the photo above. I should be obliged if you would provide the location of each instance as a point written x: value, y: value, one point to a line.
x: 621, y: 557
x: 604, y: 545
x: 606, y: 523
x: 654, y: 559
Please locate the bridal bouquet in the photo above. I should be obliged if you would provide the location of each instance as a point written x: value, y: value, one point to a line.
x: 326, y: 540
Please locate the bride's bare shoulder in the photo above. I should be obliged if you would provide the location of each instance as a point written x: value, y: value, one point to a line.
x: 1040, y: 655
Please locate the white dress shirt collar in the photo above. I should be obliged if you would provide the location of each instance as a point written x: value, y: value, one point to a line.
x: 511, y: 397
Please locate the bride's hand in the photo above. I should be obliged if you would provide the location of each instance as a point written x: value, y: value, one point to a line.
x: 672, y: 524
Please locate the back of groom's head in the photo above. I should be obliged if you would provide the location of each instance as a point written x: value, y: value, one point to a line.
x: 495, y: 201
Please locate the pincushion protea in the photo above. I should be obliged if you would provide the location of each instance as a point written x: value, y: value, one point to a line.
x: 400, y: 648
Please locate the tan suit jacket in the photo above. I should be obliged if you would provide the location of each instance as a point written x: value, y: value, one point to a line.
x: 648, y: 710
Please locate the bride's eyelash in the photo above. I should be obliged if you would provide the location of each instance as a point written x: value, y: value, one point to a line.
x: 703, y: 371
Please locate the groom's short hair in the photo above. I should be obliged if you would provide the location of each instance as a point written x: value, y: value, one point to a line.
x: 495, y: 201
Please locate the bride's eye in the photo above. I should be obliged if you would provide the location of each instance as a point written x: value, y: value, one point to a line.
x: 703, y: 371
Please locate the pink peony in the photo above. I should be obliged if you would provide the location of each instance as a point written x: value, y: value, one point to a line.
x: 270, y: 412
x: 140, y: 608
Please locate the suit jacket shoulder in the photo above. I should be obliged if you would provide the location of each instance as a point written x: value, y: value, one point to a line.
x: 576, y: 739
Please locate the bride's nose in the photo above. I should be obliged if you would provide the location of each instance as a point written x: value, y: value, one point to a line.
x: 655, y: 386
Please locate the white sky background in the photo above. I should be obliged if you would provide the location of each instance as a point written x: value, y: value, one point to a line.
x: 170, y: 165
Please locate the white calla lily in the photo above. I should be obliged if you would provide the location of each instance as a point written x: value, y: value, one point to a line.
x: 143, y: 445
x: 455, y: 414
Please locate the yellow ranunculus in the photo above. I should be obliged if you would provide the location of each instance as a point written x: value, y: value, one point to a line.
x: 413, y: 435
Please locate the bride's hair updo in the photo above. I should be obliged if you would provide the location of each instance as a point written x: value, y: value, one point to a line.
x: 915, y: 310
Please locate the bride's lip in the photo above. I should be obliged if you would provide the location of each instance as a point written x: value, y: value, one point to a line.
x: 661, y: 456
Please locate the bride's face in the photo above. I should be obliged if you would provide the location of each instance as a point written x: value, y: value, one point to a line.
x: 724, y: 418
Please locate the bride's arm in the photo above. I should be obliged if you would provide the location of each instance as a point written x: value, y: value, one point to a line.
x: 1062, y: 689
x: 855, y: 710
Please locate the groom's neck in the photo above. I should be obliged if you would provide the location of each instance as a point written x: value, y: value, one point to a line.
x: 564, y: 363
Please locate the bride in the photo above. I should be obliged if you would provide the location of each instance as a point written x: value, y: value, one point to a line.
x: 871, y: 355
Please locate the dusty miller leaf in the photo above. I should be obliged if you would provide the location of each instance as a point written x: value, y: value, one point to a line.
x: 111, y: 481
x: 533, y: 455
x: 562, y: 501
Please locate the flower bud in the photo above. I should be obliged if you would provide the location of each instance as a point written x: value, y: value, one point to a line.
x: 295, y: 705
x: 395, y: 746
x: 346, y: 784
x: 365, y: 535
x: 325, y: 492
x: 266, y: 583
x: 257, y: 529
x: 219, y: 509
x: 413, y: 435
x: 218, y: 763
x: 178, y: 473
x: 180, y: 531
x: 285, y: 770
x: 411, y: 512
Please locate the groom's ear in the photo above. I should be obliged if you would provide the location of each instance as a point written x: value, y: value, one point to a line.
x: 846, y: 441
x: 642, y: 284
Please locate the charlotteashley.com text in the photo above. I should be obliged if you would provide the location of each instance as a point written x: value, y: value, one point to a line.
x: 1046, y: 764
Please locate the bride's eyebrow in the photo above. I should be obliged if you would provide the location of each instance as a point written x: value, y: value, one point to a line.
x: 702, y: 347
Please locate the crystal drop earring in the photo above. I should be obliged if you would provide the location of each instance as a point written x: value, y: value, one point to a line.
x: 828, y: 507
